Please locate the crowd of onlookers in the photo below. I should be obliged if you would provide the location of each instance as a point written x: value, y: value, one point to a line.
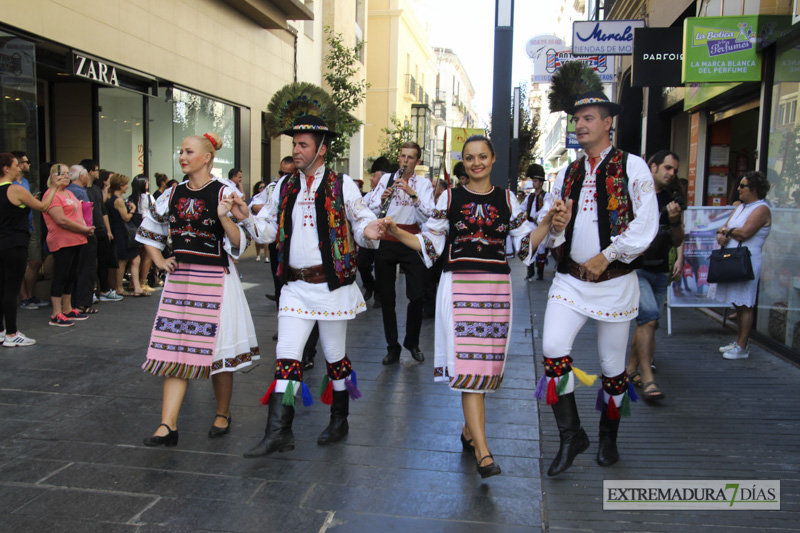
x: 82, y: 229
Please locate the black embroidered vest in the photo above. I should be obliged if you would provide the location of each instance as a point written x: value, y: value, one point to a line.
x: 606, y: 219
x: 336, y: 243
x: 194, y: 226
x: 479, y: 225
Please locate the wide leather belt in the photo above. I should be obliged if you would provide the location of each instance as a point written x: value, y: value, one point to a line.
x: 411, y: 228
x: 577, y: 271
x: 314, y: 274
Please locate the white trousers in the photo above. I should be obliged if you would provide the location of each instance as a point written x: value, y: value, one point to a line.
x: 561, y: 326
x: 293, y: 333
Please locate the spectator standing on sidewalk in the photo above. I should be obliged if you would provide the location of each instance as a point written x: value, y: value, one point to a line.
x: 316, y: 216
x: 410, y: 200
x: 532, y: 206
x: 161, y: 185
x: 749, y: 225
x: 120, y: 212
x: 83, y: 296
x: 201, y: 281
x: 29, y: 301
x: 654, y: 273
x: 143, y: 200
x: 15, y: 206
x: 469, y: 227
x: 106, y: 256
x: 614, y: 217
x: 66, y: 235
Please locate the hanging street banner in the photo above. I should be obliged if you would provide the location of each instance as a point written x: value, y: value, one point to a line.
x: 721, y: 49
x: 551, y: 58
x: 607, y: 37
x: 657, y: 57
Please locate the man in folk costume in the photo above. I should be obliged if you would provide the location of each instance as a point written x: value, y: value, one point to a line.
x: 614, y: 217
x: 532, y: 205
x: 408, y: 199
x: 317, y: 217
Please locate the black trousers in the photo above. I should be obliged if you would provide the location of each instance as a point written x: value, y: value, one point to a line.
x: 13, y: 262
x: 105, y: 261
x: 387, y: 257
x: 87, y: 273
x: 65, y: 270
x: 366, y: 259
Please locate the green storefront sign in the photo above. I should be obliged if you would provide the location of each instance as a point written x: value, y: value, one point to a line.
x: 721, y: 49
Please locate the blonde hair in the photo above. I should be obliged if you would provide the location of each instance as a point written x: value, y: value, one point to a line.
x: 117, y: 182
x: 54, y: 171
x: 208, y: 146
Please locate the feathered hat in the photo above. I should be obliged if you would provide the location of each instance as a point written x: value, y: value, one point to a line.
x: 575, y: 85
x: 301, y: 107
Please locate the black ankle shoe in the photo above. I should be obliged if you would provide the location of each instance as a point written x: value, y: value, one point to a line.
x: 169, y: 440
x: 466, y: 445
x: 217, y: 431
x: 490, y: 469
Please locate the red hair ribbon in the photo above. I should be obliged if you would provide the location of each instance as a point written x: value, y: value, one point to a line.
x: 211, y: 140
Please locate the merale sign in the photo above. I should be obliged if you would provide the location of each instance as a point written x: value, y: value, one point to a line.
x: 94, y: 69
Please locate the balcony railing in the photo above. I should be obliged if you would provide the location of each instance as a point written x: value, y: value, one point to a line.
x: 411, y: 86
x: 441, y: 96
x: 440, y: 110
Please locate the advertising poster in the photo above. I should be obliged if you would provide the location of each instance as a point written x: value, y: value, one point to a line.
x: 460, y: 135
x: 549, y: 58
x: 721, y: 49
x: 693, y: 289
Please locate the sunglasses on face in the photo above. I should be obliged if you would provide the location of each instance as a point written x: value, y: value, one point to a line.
x: 745, y: 186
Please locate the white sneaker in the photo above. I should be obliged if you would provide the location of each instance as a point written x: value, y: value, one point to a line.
x: 737, y: 352
x: 110, y: 296
x: 95, y: 299
x: 727, y: 347
x: 17, y: 340
x: 258, y: 259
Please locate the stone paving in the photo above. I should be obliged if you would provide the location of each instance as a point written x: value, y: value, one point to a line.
x: 75, y: 407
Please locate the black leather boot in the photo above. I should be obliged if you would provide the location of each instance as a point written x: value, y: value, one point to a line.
x: 607, y: 453
x: 338, y: 427
x: 278, y: 435
x: 573, y: 438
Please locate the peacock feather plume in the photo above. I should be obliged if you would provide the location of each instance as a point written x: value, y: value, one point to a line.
x: 294, y: 100
x: 572, y: 79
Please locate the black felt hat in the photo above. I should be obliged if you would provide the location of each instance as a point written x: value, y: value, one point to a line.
x: 535, y: 171
x: 309, y: 124
x: 594, y: 98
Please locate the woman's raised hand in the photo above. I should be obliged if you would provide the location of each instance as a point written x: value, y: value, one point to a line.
x: 224, y: 206
x: 239, y: 207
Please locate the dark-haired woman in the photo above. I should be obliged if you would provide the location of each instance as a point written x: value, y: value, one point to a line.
x: 15, y: 206
x: 749, y: 225
x: 473, y: 304
x: 143, y: 200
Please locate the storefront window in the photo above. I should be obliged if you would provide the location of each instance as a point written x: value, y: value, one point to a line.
x: 19, y: 124
x: 121, y: 131
x: 779, y: 291
x: 194, y: 114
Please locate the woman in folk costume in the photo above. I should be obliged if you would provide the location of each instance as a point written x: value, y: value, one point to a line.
x: 613, y: 217
x: 317, y: 217
x: 473, y: 304
x: 203, y: 325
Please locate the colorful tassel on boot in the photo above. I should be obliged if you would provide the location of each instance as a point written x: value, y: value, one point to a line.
x: 308, y: 399
x: 632, y: 392
x: 353, y: 378
x: 552, y: 397
x: 612, y: 411
x: 288, y: 395
x: 323, y: 385
x: 265, y: 398
x: 541, y: 387
x: 351, y: 388
x: 563, y: 381
x: 327, y: 395
x: 601, y: 400
x: 583, y: 377
x: 625, y: 408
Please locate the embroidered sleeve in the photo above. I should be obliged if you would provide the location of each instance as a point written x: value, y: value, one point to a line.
x: 264, y: 224
x: 154, y: 229
x: 375, y: 198
x: 357, y: 213
x: 641, y: 231
x: 425, y: 203
x: 554, y: 239
x: 434, y: 237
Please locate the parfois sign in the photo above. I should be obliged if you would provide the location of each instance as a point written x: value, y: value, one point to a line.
x: 721, y: 49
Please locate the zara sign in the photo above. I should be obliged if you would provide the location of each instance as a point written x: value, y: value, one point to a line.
x: 607, y: 37
x: 94, y: 69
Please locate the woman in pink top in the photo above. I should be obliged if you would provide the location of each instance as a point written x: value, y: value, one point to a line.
x: 66, y: 234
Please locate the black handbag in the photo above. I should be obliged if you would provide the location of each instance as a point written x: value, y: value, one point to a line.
x: 130, y: 229
x: 728, y: 265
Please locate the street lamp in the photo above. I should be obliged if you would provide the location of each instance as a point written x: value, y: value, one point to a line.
x: 419, y: 121
x: 514, y: 165
x: 501, y: 97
